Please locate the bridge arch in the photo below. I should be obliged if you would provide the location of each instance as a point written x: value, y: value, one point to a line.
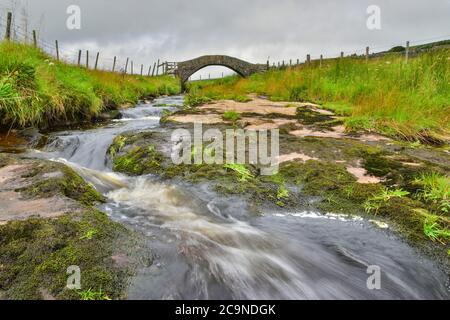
x: 186, y: 69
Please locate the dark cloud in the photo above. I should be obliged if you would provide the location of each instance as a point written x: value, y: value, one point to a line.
x: 250, y: 29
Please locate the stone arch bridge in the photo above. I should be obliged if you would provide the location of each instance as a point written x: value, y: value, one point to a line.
x: 184, y: 70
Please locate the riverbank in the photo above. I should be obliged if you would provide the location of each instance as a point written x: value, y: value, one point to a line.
x: 406, y: 101
x: 213, y: 232
x: 36, y: 90
x: 399, y: 186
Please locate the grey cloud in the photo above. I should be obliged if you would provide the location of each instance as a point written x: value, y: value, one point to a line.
x: 251, y: 29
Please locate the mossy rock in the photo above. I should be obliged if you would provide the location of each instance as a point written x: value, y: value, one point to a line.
x: 64, y: 180
x: 138, y: 161
x: 308, y: 116
x: 35, y: 255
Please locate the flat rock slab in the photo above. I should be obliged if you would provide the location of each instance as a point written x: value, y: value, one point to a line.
x: 259, y: 107
x: 15, y: 206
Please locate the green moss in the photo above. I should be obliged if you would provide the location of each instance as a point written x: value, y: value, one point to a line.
x: 66, y: 182
x: 395, y: 173
x: 308, y: 116
x: 338, y: 190
x: 35, y: 255
x: 408, y: 216
x: 131, y: 154
x: 317, y: 177
x: 138, y: 161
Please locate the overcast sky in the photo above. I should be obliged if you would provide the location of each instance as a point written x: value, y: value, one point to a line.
x: 254, y: 30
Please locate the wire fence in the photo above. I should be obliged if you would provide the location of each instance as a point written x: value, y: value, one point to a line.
x: 95, y: 60
x: 408, y: 49
x: 17, y: 33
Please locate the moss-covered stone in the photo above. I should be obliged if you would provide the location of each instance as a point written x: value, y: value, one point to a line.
x: 62, y: 180
x: 337, y: 189
x: 35, y: 255
x: 138, y: 161
x: 308, y: 116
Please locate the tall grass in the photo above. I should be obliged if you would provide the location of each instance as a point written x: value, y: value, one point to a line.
x: 408, y: 100
x: 36, y: 90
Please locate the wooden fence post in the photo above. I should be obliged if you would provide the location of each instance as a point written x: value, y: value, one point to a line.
x: 34, y: 39
x: 290, y: 62
x: 157, y: 68
x: 57, y: 50
x: 407, y: 52
x: 142, y: 70
x: 132, y: 71
x: 87, y: 59
x: 308, y: 59
x: 114, y: 64
x: 321, y: 60
x: 126, y: 65
x: 298, y: 61
x: 79, y: 57
x: 342, y: 54
x: 154, y: 69
x: 8, y: 26
x: 149, y: 70
x: 367, y: 54
x: 96, y: 60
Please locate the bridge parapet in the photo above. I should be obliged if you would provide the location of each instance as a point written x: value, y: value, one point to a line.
x: 186, y: 69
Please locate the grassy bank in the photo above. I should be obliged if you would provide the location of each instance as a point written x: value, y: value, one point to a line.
x: 35, y: 90
x: 386, y: 95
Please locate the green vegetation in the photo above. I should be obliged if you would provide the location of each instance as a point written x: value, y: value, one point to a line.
x: 374, y: 204
x: 66, y: 182
x: 138, y: 161
x: 35, y: 255
x: 38, y: 91
x: 135, y: 159
x: 90, y: 295
x: 435, y: 188
x: 231, y: 116
x: 409, y: 101
x: 434, y: 231
x: 243, y: 173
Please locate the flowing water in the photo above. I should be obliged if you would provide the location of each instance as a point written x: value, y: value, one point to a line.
x: 207, y: 246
